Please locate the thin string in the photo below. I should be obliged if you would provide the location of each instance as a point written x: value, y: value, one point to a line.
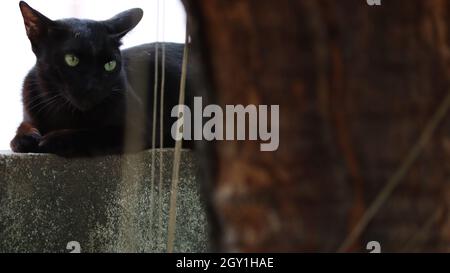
x: 395, y: 180
x: 161, y: 122
x: 177, y: 153
x: 155, y: 105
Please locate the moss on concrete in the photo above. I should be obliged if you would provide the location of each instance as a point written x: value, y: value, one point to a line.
x: 105, y: 204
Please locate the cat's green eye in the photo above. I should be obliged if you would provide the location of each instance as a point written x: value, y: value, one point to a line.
x: 110, y: 66
x: 71, y: 60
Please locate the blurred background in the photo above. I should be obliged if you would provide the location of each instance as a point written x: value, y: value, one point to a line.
x: 17, y: 57
x: 364, y: 95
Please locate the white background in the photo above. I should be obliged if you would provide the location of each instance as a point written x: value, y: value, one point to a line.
x: 16, y: 57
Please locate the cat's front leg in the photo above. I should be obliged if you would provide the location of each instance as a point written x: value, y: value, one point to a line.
x: 26, y: 140
x: 76, y: 143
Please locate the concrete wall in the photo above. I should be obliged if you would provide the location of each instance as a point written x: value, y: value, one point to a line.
x: 104, y: 204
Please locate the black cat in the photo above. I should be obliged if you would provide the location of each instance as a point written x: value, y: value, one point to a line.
x: 84, y: 95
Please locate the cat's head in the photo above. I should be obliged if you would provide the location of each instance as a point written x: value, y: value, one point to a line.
x: 81, y: 58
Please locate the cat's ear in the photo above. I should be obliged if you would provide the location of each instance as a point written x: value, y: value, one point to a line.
x: 122, y: 23
x: 36, y: 24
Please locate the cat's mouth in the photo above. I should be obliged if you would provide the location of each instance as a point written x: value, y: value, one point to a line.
x: 81, y: 105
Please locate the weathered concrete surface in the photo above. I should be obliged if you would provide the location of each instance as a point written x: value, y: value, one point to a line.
x: 104, y: 204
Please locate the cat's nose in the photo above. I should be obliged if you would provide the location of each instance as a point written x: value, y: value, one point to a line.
x: 90, y: 86
x: 91, y: 89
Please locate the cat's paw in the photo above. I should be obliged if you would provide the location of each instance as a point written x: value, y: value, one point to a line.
x: 57, y: 142
x: 26, y: 143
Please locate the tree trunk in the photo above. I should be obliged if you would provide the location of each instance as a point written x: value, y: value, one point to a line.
x: 357, y: 85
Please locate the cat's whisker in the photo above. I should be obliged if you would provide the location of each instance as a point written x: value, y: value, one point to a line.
x: 43, y: 95
x: 44, y: 101
x: 49, y: 103
x: 46, y: 106
x: 65, y: 105
x: 69, y: 106
x: 36, y: 97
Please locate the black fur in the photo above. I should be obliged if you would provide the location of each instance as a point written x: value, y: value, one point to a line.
x: 82, y: 110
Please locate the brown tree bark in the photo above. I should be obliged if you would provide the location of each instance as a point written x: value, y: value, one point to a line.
x: 356, y: 85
